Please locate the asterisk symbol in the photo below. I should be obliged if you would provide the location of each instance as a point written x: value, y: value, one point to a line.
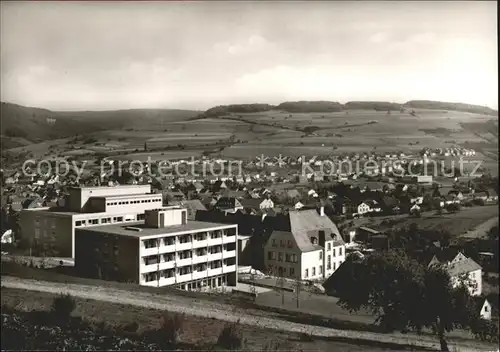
x: 280, y: 160
x: 261, y: 160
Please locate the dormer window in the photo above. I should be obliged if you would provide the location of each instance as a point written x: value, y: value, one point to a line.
x: 314, y: 240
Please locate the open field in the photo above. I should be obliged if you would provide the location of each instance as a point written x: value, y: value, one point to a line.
x: 274, y: 132
x: 458, y: 224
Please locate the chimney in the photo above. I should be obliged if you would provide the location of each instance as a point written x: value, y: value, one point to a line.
x: 322, y: 211
x: 321, y: 235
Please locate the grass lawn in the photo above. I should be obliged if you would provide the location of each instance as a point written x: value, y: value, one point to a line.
x: 196, y: 331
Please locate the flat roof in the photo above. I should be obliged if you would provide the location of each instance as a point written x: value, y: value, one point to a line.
x: 107, y: 187
x: 117, y: 196
x: 121, y: 229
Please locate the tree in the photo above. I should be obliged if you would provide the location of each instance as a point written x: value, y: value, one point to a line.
x: 62, y: 307
x: 453, y: 207
x: 405, y: 295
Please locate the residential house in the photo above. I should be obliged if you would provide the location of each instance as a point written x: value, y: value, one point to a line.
x: 298, y: 205
x: 461, y: 269
x: 228, y: 204
x: 415, y: 208
x: 306, y: 246
x: 417, y: 200
x: 257, y: 203
x: 483, y: 307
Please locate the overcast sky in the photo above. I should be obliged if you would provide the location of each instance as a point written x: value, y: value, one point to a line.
x: 82, y: 56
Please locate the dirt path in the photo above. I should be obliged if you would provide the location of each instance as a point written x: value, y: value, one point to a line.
x: 222, y: 312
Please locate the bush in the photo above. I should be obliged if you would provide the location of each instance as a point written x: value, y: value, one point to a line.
x: 131, y: 327
x: 171, y: 327
x: 306, y: 337
x: 486, y: 330
x: 231, y: 337
x: 62, y: 307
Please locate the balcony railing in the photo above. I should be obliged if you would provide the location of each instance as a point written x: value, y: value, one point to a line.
x: 183, y: 246
x: 229, y: 254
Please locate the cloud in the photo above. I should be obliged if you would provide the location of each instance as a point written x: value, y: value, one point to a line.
x: 253, y: 44
x: 378, y: 37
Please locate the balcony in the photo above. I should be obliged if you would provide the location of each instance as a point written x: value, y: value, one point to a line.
x: 148, y: 251
x: 200, y: 244
x: 164, y: 281
x: 199, y: 275
x: 184, y: 262
x: 229, y: 268
x: 167, y: 249
x: 149, y: 283
x: 149, y: 268
x: 183, y: 246
x: 229, y: 254
x: 184, y: 278
x: 200, y: 259
x: 214, y: 241
x: 213, y: 272
x: 167, y: 265
x: 215, y: 256
x: 229, y: 239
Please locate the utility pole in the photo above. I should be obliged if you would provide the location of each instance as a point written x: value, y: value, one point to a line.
x: 281, y: 284
x: 298, y: 288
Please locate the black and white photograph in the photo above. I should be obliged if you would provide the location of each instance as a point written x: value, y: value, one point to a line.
x: 249, y: 176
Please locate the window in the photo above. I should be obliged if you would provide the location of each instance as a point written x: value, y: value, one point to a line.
x: 334, y: 266
x: 150, y: 243
x: 185, y: 239
x: 289, y: 244
x: 307, y: 273
x: 321, y: 255
x: 340, y: 251
x: 119, y: 219
x: 288, y: 257
x: 314, y: 272
x: 334, y: 252
x: 292, y: 271
x: 321, y: 269
x: 78, y: 223
x: 280, y: 256
x: 329, y: 246
x: 282, y: 244
x: 274, y: 243
x: 486, y: 308
x: 270, y: 255
x: 329, y: 262
x: 294, y: 258
x: 169, y: 241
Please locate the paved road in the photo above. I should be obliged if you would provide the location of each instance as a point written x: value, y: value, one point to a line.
x: 223, y: 312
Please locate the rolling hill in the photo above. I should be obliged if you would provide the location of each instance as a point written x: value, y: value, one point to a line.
x: 333, y: 106
x: 22, y: 125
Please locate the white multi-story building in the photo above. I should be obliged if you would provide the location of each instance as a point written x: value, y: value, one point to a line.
x: 312, y: 248
x: 54, y: 228
x: 163, y: 250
